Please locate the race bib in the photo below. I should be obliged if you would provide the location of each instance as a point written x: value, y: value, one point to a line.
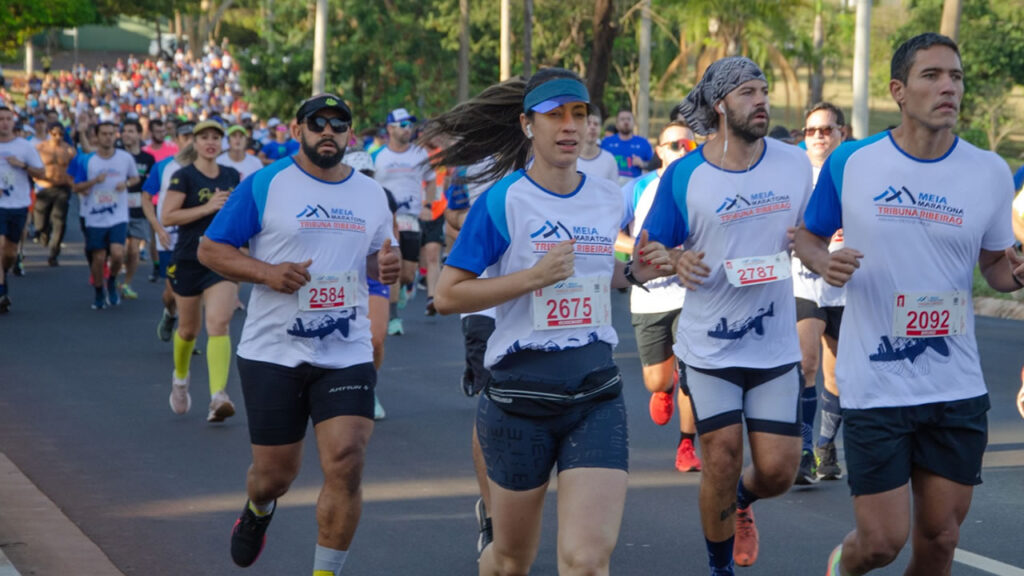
x: 135, y: 200
x: 408, y: 223
x: 106, y: 197
x: 758, y: 269
x: 929, y: 314
x: 330, y: 292
x: 582, y: 301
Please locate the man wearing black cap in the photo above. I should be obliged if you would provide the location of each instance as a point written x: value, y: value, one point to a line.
x: 729, y: 205
x: 316, y: 230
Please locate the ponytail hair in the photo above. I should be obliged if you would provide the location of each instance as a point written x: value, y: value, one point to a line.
x: 187, y: 155
x: 487, y: 126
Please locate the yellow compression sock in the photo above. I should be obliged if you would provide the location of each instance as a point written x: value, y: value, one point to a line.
x: 218, y: 361
x: 182, y: 355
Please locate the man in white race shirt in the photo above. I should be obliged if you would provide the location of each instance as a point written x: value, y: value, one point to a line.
x: 731, y: 206
x: 594, y: 161
x: 655, y: 306
x: 316, y: 229
x: 819, y: 313
x: 18, y: 160
x: 919, y: 208
x: 103, y: 185
x: 237, y: 156
x: 402, y: 168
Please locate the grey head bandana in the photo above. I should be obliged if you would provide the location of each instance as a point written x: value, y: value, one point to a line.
x: 719, y: 79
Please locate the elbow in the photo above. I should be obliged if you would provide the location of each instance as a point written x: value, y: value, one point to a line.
x: 443, y: 302
x: 205, y: 253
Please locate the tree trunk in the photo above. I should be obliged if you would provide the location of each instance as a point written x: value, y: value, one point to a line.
x: 203, y: 31
x: 463, y: 94
x: 527, y: 38
x: 643, y: 120
x: 861, y: 69
x: 505, y: 70
x: 320, y: 48
x: 816, y: 85
x: 601, y: 56
x: 951, y: 18
x: 218, y: 17
x: 178, y: 32
x: 29, y: 58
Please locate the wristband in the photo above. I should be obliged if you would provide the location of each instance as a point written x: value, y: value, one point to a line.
x: 628, y: 273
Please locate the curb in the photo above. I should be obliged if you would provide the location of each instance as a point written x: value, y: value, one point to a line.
x: 6, y: 568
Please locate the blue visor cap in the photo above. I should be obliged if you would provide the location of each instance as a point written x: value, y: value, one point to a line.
x: 551, y: 95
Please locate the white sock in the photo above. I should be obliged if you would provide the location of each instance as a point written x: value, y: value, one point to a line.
x: 328, y: 561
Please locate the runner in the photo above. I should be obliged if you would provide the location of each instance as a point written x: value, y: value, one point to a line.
x: 631, y: 152
x: 18, y: 161
x: 159, y: 147
x: 282, y: 145
x: 595, y: 161
x: 919, y: 208
x: 402, y: 167
x: 546, y: 236
x: 140, y: 205
x: 316, y: 230
x: 237, y: 155
x: 731, y: 206
x: 54, y: 195
x: 102, y: 184
x: 819, y: 313
x: 196, y: 193
x: 655, y: 306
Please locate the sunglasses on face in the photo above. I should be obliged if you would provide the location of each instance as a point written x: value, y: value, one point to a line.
x: 402, y: 124
x: 680, y: 145
x: 824, y: 130
x: 318, y: 123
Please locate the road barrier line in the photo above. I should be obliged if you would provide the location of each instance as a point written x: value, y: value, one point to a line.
x: 985, y: 564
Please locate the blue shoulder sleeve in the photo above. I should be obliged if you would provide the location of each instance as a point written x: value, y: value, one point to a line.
x: 668, y: 220
x: 824, y: 213
x: 79, y: 167
x: 152, y: 183
x: 484, y: 236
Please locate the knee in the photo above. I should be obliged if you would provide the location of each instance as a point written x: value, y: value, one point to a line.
x: 187, y: 333
x: 940, y: 540
x: 775, y: 480
x: 511, y: 565
x: 344, y: 468
x: 880, y: 549
x: 273, y: 482
x: 589, y: 561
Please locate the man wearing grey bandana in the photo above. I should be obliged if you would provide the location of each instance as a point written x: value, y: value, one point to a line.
x: 720, y: 221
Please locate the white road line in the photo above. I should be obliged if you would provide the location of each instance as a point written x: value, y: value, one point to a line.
x: 985, y: 564
x: 6, y: 568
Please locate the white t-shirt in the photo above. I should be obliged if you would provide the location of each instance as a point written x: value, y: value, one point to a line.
x: 601, y: 166
x: 921, y: 225
x: 403, y: 173
x: 165, y: 184
x: 286, y: 215
x: 513, y: 226
x: 247, y: 166
x: 732, y: 215
x: 663, y: 294
x: 810, y: 286
x: 475, y: 190
x: 15, y: 188
x: 104, y: 205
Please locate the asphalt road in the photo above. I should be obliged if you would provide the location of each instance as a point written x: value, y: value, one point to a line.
x: 84, y: 414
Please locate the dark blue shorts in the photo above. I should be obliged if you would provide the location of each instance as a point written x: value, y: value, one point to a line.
x: 378, y: 289
x: 884, y: 445
x: 166, y: 257
x: 102, y: 238
x: 190, y: 278
x: 12, y: 223
x: 280, y: 401
x: 520, y: 452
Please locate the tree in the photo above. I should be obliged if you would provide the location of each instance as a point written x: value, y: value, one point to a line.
x: 605, y: 30
x: 21, y: 19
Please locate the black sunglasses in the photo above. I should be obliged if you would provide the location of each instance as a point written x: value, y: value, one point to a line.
x: 318, y: 123
x: 824, y: 130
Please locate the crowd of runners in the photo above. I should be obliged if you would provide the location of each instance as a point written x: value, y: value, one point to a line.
x: 741, y: 252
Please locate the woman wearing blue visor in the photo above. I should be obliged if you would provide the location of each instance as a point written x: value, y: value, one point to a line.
x: 545, y: 238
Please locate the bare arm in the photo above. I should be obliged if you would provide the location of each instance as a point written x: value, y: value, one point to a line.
x: 232, y: 263
x: 1002, y: 270
x: 624, y: 243
x: 150, y: 214
x: 174, y: 215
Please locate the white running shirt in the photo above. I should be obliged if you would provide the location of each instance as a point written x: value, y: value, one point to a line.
x: 104, y: 206
x: 14, y: 184
x: 601, y: 166
x: 667, y: 293
x: 403, y: 173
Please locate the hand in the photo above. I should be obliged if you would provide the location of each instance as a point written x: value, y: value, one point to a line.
x: 219, y: 198
x: 652, y: 259
x: 691, y: 269
x: 1016, y: 261
x: 791, y: 236
x: 101, y: 178
x: 426, y: 215
x: 163, y: 236
x: 557, y: 265
x: 637, y: 161
x: 841, y: 265
x: 14, y: 161
x: 389, y: 263
x: 120, y: 186
x: 288, y: 277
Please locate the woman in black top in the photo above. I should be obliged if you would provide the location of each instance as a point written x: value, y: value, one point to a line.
x: 195, y: 195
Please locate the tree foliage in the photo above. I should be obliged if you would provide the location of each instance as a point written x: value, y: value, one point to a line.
x: 21, y: 19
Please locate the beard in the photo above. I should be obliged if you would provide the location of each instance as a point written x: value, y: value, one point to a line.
x: 745, y: 129
x: 319, y: 160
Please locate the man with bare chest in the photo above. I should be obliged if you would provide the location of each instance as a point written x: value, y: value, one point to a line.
x: 51, y: 206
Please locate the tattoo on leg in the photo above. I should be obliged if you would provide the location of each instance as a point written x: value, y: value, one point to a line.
x: 728, y: 512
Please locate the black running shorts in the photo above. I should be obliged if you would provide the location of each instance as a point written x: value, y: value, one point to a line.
x: 190, y: 278
x: 279, y: 401
x: 832, y: 316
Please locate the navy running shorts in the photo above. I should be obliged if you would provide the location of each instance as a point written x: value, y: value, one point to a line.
x: 190, y: 278
x: 165, y: 259
x: 655, y: 334
x: 432, y: 231
x: 409, y: 245
x: 832, y: 316
x: 378, y: 289
x: 768, y: 399
x: 884, y: 445
x: 280, y: 401
x: 12, y: 223
x: 102, y: 238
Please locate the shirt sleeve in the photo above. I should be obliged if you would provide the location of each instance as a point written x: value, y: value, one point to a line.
x: 627, y: 202
x: 667, y: 222
x: 480, y: 242
x: 32, y: 157
x: 238, y: 220
x: 152, y: 183
x: 999, y: 232
x: 824, y: 213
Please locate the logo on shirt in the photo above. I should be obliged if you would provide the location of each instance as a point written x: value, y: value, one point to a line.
x: 900, y: 355
x: 320, y: 218
x: 725, y: 330
x: 740, y: 207
x: 104, y: 209
x: 588, y: 239
x: 900, y: 204
x: 324, y: 326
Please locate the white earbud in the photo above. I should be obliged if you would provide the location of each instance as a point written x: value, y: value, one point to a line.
x: 721, y: 108
x: 529, y: 132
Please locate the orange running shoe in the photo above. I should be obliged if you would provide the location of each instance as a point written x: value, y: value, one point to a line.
x: 1020, y: 395
x: 833, y: 562
x: 662, y: 403
x: 744, y: 550
x: 686, y: 457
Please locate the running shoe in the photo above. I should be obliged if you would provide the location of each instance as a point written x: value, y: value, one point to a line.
x: 421, y: 282
x: 221, y: 408
x: 378, y: 410
x: 1020, y: 395
x: 661, y: 406
x: 486, y: 535
x: 181, y: 400
x: 99, y: 303
x: 128, y: 293
x: 807, y: 474
x: 430, y: 310
x: 112, y: 296
x: 828, y: 463
x: 686, y: 457
x: 52, y: 262
x: 249, y: 535
x: 5, y: 304
x: 834, y: 561
x: 744, y: 549
x: 154, y: 274
x: 19, y: 266
x: 165, y: 327
x: 403, y: 297
x: 395, y: 327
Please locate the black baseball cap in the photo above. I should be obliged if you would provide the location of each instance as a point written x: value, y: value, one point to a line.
x: 320, y: 102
